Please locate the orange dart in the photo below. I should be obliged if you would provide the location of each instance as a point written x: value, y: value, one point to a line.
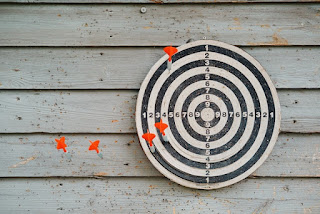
x: 170, y: 51
x: 94, y: 146
x: 161, y: 126
x: 61, y: 144
x: 148, y: 137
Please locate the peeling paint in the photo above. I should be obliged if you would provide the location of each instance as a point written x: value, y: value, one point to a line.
x: 23, y: 162
x: 265, y: 26
x: 235, y: 28
x: 237, y: 23
x: 149, y: 27
x: 100, y: 174
x: 307, y: 210
x: 276, y: 40
x: 157, y: 1
x: 279, y: 40
x: 152, y: 186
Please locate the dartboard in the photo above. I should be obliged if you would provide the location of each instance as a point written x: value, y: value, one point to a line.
x: 207, y: 114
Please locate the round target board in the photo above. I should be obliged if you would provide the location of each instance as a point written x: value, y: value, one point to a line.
x: 207, y: 114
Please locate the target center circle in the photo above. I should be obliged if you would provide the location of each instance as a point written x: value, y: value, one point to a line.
x: 207, y: 114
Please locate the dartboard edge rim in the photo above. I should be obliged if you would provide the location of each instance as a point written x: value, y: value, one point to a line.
x: 265, y: 154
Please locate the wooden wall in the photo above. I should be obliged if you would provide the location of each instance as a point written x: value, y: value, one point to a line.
x: 73, y: 68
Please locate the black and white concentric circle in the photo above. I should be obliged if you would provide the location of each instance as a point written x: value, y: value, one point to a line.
x: 222, y: 111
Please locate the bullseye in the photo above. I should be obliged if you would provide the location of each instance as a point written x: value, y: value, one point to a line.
x: 207, y: 114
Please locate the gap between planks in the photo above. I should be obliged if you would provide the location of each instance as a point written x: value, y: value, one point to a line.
x: 154, y: 2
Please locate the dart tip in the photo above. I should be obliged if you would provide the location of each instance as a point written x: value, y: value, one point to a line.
x: 169, y: 64
x: 100, y: 155
x: 152, y: 149
x: 165, y: 138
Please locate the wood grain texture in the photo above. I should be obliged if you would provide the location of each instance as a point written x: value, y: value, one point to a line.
x: 68, y: 111
x: 122, y: 186
x: 109, y: 111
x: 104, y: 68
x: 124, y: 25
x: 35, y: 155
x: 156, y: 195
x: 154, y: 1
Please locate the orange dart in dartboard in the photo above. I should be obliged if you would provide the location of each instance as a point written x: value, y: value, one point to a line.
x: 149, y: 137
x: 94, y: 146
x: 170, y: 51
x: 162, y: 127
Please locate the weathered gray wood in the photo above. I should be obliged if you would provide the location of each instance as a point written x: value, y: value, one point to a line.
x: 104, y: 68
x: 153, y: 1
x: 156, y: 195
x: 67, y: 111
x: 35, y: 155
x: 300, y: 111
x: 124, y: 25
x: 98, y: 111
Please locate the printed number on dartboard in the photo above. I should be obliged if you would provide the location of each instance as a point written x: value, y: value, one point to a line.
x: 217, y: 114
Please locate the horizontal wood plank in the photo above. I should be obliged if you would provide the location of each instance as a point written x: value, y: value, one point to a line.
x: 104, y: 68
x: 35, y: 155
x: 168, y: 24
x: 109, y: 111
x: 156, y: 195
x: 68, y: 111
x: 153, y: 1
